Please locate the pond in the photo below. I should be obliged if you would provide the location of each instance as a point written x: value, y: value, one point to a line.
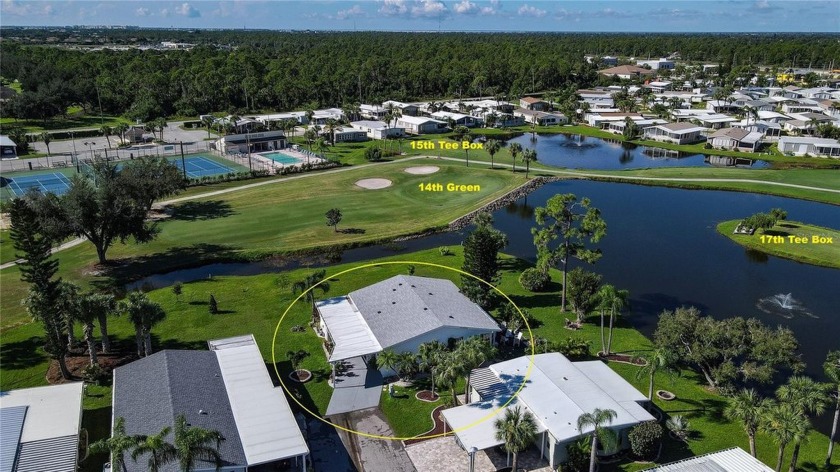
x: 584, y: 152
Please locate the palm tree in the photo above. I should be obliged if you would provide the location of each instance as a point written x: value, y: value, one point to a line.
x: 387, y: 359
x: 207, y: 121
x: 106, y: 131
x: 122, y: 128
x: 290, y: 125
x: 808, y: 397
x: 193, y: 444
x: 659, y: 359
x: 144, y: 314
x: 462, y: 134
x: 783, y: 423
x: 517, y: 429
x: 473, y: 352
x: 528, y: 156
x: 406, y: 365
x: 93, y: 307
x: 450, y: 369
x: 160, y: 452
x: 117, y: 445
x: 331, y: 126
x: 514, y: 150
x: 750, y: 112
x: 309, y: 114
x: 431, y: 354
x: 67, y: 305
x: 831, y: 367
x: 100, y: 306
x: 310, y: 135
x: 748, y: 408
x: 492, y: 146
x: 312, y: 282
x: 322, y: 147
x: 46, y: 138
x: 597, y: 420
x: 161, y: 125
x: 613, y: 300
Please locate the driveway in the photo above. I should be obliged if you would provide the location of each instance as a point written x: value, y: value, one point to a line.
x: 444, y: 455
x: 374, y: 455
x: 326, y: 450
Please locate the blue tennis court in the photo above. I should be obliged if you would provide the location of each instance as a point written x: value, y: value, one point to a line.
x: 54, y: 182
x: 200, y: 166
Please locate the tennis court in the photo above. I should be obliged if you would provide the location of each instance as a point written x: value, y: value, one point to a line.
x: 201, y: 166
x: 54, y: 182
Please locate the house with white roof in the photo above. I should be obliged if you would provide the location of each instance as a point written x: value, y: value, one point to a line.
x: 802, y: 145
x: 421, y: 125
x: 409, y: 109
x: 541, y: 118
x: 677, y: 133
x: 378, y: 129
x: 226, y: 389
x: 723, y: 106
x: 766, y: 128
x: 533, y: 103
x: 715, y: 120
x: 735, y: 139
x: 733, y: 459
x: 40, y: 428
x: 659, y: 86
x: 657, y: 64
x: 372, y: 112
x: 8, y: 148
x: 459, y: 119
x: 556, y: 392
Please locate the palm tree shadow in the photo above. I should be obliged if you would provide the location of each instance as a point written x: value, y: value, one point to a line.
x: 22, y: 354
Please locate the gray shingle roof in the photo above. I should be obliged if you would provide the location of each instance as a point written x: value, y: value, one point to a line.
x: 151, y: 392
x: 404, y: 307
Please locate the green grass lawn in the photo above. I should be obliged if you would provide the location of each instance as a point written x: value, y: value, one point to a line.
x: 254, y: 305
x: 279, y: 218
x: 74, y: 119
x: 824, y: 251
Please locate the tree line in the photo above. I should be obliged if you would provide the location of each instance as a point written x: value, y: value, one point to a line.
x: 242, y: 71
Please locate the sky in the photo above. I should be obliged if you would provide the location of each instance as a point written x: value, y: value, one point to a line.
x: 435, y: 15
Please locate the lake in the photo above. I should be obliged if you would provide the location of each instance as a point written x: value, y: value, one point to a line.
x: 584, y: 152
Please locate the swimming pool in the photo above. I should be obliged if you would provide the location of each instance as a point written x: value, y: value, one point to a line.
x: 280, y: 158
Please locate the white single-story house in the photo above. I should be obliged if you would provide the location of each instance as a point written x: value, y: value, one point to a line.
x: 659, y: 86
x: 773, y: 117
x: 715, y: 120
x: 605, y: 60
x: 492, y: 105
x: 617, y: 127
x: 657, y: 64
x: 40, y: 428
x: 421, y: 125
x: 768, y: 129
x: 400, y: 314
x: 372, y: 112
x: 8, y: 148
x: 733, y: 459
x: 533, y: 103
x: 602, y: 119
x: 227, y: 389
x: 556, y: 392
x: 801, y: 107
x: 251, y: 142
x: 735, y: 138
x: 723, y: 106
x: 760, y: 105
x: 378, y: 129
x: 349, y: 134
x: 677, y: 133
x: 460, y: 119
x: 409, y: 109
x: 801, y: 145
x: 597, y: 98
x: 541, y: 118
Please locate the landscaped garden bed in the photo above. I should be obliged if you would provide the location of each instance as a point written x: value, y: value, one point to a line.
x: 301, y: 375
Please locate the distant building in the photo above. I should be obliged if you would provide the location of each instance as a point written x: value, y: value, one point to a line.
x: 251, y: 142
x: 420, y: 125
x: 459, y: 119
x: 605, y: 60
x: 677, y: 133
x: 372, y: 112
x: 378, y: 129
x: 348, y: 135
x: 627, y: 72
x: 735, y: 139
x: 728, y: 460
x: 533, y: 103
x: 40, y: 428
x: 406, y: 108
x: 541, y: 118
x: 8, y: 148
x: 657, y: 64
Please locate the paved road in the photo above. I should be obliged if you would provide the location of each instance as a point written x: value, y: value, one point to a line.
x: 375, y: 455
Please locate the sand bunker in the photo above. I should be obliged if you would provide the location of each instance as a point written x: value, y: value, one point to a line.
x: 422, y: 170
x: 373, y: 184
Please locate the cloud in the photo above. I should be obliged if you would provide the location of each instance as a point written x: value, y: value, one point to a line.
x: 415, y: 9
x: 429, y: 9
x: 356, y: 10
x: 14, y: 8
x: 142, y: 12
x: 611, y: 13
x: 466, y: 7
x: 526, y: 10
x: 763, y: 6
x: 570, y: 15
x: 676, y: 14
x: 187, y: 10
x: 393, y: 8
x: 164, y: 13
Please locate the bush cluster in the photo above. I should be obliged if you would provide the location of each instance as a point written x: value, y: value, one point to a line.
x: 645, y: 439
x: 534, y: 280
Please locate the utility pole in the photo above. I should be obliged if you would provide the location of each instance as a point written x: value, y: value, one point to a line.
x: 183, y: 164
x: 248, y: 143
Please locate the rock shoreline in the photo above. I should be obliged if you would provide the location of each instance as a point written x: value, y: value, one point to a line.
x: 515, y: 194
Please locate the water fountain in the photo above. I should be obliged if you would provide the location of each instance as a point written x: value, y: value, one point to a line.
x: 784, y: 305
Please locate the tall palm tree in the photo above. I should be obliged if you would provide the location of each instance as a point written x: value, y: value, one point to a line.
x: 107, y: 132
x: 614, y: 301
x: 528, y: 156
x: 101, y: 306
x: 431, y: 355
x: 144, y: 314
x: 450, y: 369
x: 492, y: 147
x: 310, y: 283
x: 322, y: 147
x: 193, y: 444
x: 159, y: 450
x: 473, y: 352
x: 517, y: 429
x: 310, y: 135
x: 161, y: 125
x: 809, y: 398
x: 117, y: 445
x: 597, y: 420
x: 750, y: 112
x: 659, y: 359
x: 831, y: 367
x: 784, y: 424
x: 387, y: 359
x: 331, y: 126
x: 92, y: 307
x: 67, y: 305
x: 748, y: 408
x: 123, y: 128
x: 309, y: 114
x: 207, y: 121
x: 462, y: 134
x: 515, y: 149
x: 47, y: 138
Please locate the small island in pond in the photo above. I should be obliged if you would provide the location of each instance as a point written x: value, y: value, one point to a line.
x: 789, y: 239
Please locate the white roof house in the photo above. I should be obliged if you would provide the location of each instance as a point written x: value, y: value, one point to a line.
x: 227, y: 389
x: 555, y: 391
x: 39, y: 428
x: 802, y: 145
x: 728, y: 460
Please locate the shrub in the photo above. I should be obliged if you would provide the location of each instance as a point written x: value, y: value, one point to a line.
x: 577, y: 454
x: 574, y: 349
x: 645, y: 439
x: 178, y: 289
x: 534, y: 280
x: 445, y: 251
x: 213, y: 306
x: 94, y: 374
x: 678, y: 426
x: 707, y: 146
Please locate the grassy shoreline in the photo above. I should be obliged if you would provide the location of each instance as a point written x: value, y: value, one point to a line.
x: 777, y: 241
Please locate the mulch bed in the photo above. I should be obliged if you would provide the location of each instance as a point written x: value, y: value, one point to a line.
x: 76, y: 363
x: 301, y: 375
x: 427, y: 396
x: 623, y: 358
x: 436, y: 430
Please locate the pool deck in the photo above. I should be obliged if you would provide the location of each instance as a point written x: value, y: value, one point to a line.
x: 301, y: 156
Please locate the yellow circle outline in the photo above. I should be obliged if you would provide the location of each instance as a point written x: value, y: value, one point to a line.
x: 396, y: 438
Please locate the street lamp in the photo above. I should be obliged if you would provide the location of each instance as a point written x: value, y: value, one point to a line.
x: 473, y: 450
x: 90, y: 145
